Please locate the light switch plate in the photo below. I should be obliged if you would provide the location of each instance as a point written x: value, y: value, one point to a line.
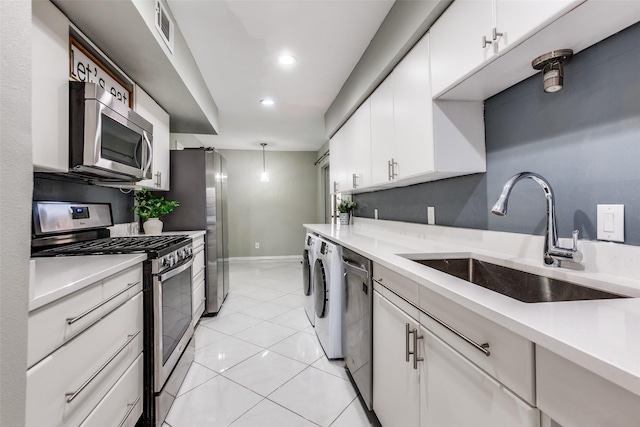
x: 431, y: 215
x: 611, y: 223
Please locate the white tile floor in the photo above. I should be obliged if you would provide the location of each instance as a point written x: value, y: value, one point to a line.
x: 259, y: 363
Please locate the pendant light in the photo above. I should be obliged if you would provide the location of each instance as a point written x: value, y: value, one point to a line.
x: 265, y: 176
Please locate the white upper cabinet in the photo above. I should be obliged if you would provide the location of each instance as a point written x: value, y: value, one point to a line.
x: 50, y: 84
x: 471, y: 33
x: 382, y: 132
x: 456, y: 42
x: 338, y: 171
x: 414, y: 139
x: 358, y: 134
x: 151, y: 111
x: 412, y: 114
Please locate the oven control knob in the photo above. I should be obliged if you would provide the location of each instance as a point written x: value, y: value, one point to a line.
x: 189, y: 251
x: 181, y: 254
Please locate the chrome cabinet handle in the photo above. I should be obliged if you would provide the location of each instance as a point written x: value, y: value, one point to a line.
x: 416, y: 359
x: 392, y: 165
x: 406, y: 340
x: 73, y: 320
x: 389, y: 174
x: 131, y: 406
x: 484, y: 348
x: 485, y: 42
x: 408, y: 351
x: 496, y: 34
x: 71, y: 396
x: 335, y: 186
x: 158, y: 179
x: 354, y: 180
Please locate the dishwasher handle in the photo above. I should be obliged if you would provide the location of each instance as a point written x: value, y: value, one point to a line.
x: 356, y: 269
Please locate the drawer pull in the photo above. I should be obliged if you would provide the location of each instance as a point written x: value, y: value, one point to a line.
x: 73, y: 320
x: 72, y: 396
x: 484, y: 348
x: 131, y: 407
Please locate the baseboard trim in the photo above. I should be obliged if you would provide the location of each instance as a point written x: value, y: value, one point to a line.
x: 265, y: 258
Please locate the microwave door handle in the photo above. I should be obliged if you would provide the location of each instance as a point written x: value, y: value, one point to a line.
x: 149, y: 153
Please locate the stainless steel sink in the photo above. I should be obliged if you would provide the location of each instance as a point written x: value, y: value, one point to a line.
x: 520, y: 285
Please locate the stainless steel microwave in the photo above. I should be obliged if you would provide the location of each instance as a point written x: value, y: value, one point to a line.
x: 107, y: 140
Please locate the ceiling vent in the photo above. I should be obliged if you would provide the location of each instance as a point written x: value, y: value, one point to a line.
x: 164, y: 24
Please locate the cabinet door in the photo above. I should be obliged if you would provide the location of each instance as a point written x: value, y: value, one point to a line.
x: 413, y: 115
x: 518, y: 20
x: 456, y: 42
x: 382, y: 133
x: 395, y: 382
x: 338, y: 171
x: 359, y: 159
x: 50, y: 88
x: 456, y: 393
x: 150, y: 110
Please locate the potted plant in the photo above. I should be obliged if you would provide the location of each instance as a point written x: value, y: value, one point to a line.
x: 345, y: 207
x: 150, y: 208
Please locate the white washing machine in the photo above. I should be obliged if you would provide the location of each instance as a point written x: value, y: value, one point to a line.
x: 328, y: 298
x: 308, y: 262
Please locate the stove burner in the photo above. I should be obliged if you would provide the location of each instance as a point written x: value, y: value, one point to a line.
x: 116, y: 245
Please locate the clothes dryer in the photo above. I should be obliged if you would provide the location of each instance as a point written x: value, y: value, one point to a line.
x: 328, y: 298
x: 308, y: 263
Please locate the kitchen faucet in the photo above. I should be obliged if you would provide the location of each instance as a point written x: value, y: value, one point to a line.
x: 553, y: 253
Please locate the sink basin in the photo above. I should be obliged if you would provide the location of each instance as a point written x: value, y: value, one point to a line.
x: 520, y: 285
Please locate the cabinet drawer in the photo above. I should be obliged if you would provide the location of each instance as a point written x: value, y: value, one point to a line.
x: 198, y: 263
x: 122, y: 406
x: 511, y: 360
x: 120, y: 287
x: 198, y: 296
x: 68, y: 384
x: 56, y: 323
x: 399, y: 284
x: 50, y: 327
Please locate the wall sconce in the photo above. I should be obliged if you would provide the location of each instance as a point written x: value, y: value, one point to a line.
x: 551, y: 66
x: 265, y: 176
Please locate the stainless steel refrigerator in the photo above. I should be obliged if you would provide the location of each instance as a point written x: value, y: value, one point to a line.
x: 198, y: 181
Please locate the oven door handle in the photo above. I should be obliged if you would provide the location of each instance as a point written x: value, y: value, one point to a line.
x: 176, y: 270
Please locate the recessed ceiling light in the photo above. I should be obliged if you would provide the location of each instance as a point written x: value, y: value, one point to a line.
x: 286, y: 59
x: 267, y: 101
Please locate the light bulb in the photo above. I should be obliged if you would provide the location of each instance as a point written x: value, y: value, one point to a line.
x: 264, y: 177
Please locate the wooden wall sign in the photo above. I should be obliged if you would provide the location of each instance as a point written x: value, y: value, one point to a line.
x: 85, y: 67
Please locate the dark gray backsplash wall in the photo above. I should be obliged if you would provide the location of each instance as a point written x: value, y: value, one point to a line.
x: 584, y: 139
x: 61, y: 189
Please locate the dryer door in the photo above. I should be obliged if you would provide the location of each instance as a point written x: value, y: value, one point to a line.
x: 306, y: 273
x: 320, y: 288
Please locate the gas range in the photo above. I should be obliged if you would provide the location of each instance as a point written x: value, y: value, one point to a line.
x: 64, y: 229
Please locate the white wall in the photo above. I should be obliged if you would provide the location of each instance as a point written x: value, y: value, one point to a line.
x: 16, y: 187
x: 271, y: 213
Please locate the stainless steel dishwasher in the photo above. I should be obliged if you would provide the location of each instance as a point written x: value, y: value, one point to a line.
x: 358, y: 319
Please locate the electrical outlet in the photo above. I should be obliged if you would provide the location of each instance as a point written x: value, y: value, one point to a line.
x: 431, y: 215
x: 257, y: 245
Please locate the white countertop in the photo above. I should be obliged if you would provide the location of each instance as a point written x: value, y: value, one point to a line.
x: 56, y: 277
x: 191, y: 233
x: 602, y: 336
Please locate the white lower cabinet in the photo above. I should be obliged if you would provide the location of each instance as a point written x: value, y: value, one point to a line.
x: 122, y: 406
x: 456, y: 393
x: 65, y: 387
x: 198, y: 279
x: 396, y: 396
x: 420, y: 380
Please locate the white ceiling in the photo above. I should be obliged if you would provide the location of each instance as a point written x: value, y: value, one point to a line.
x: 236, y: 44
